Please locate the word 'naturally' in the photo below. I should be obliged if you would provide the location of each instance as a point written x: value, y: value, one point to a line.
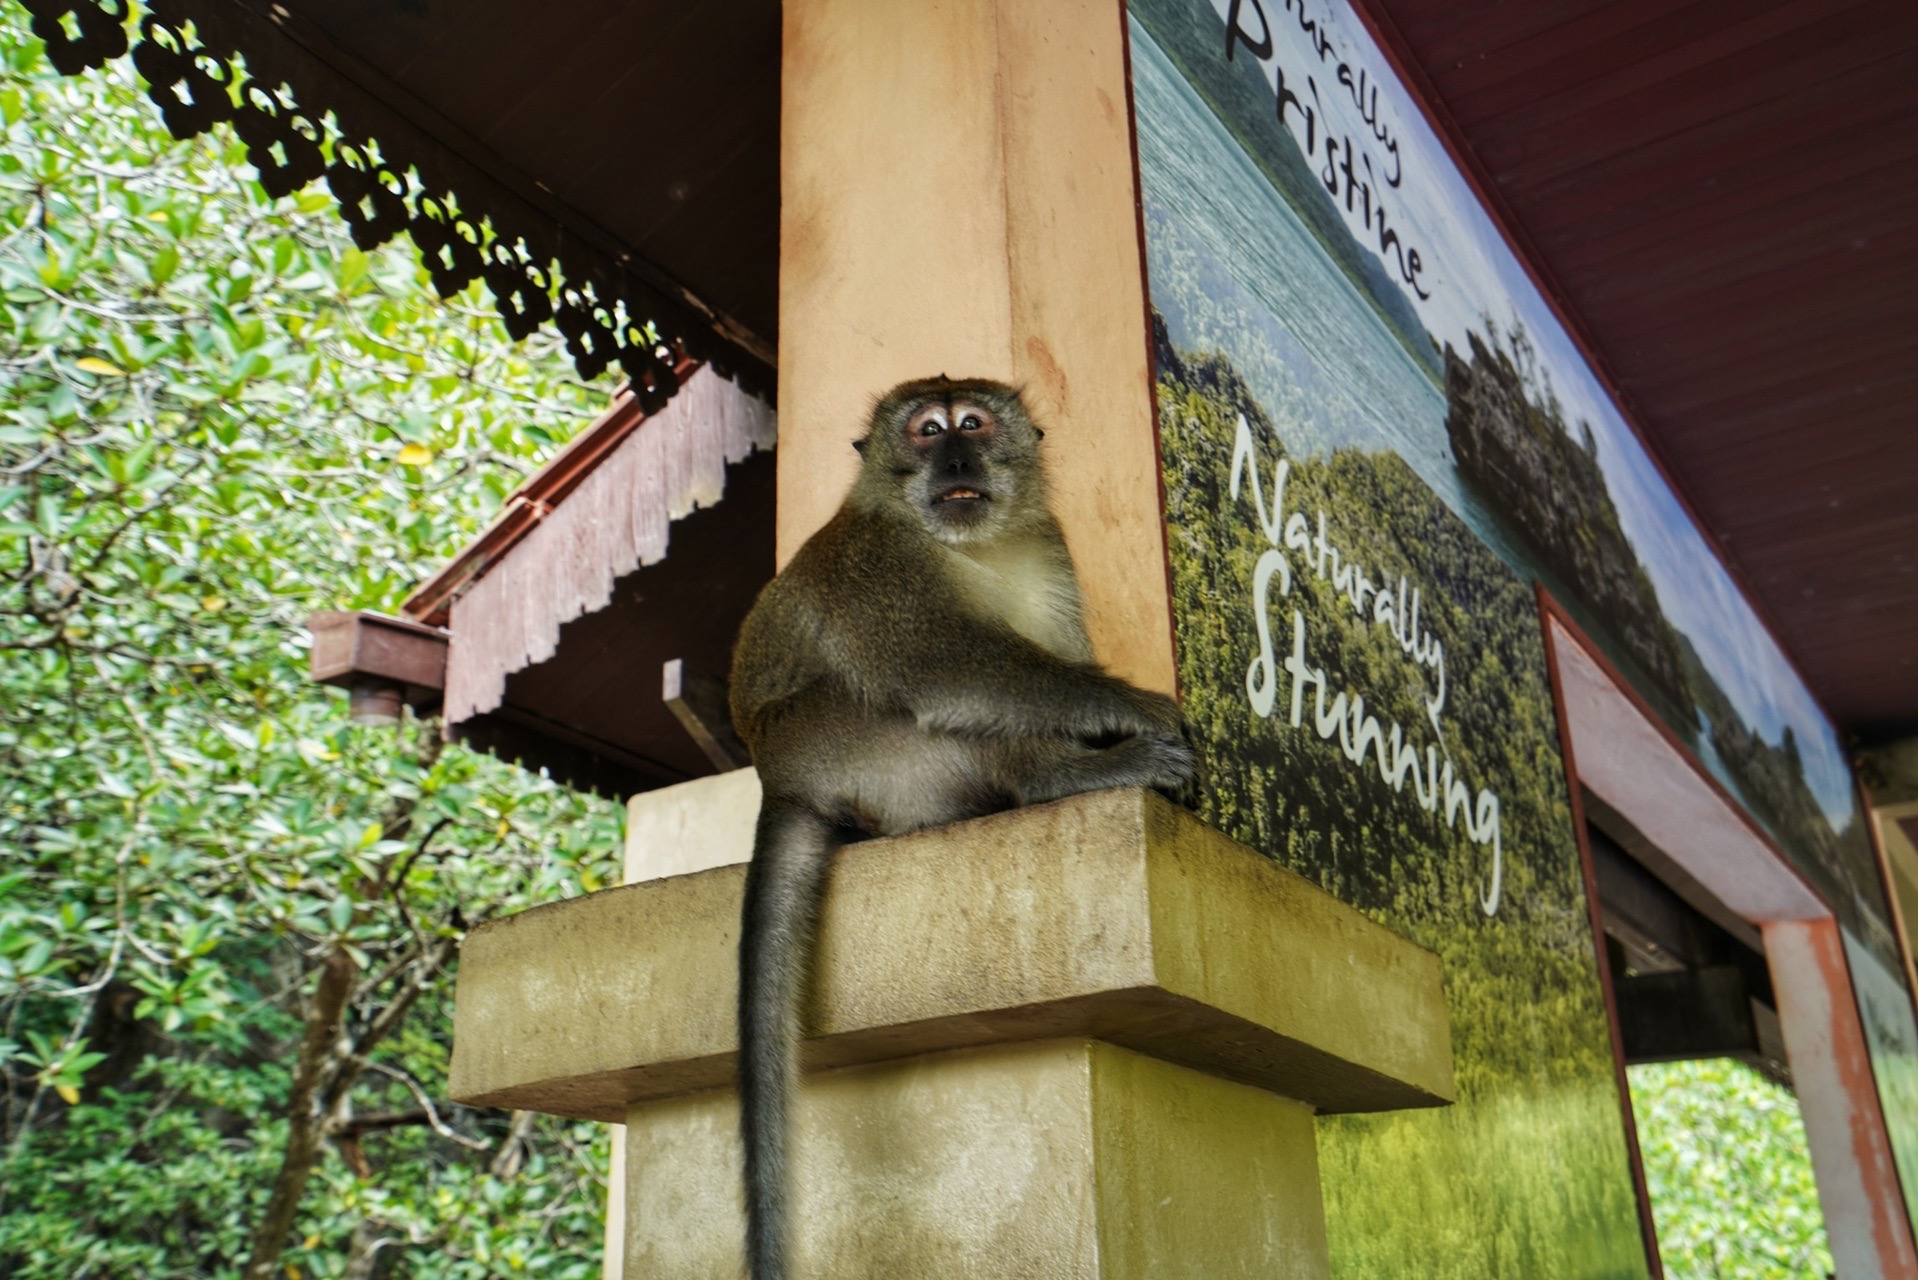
x: 1338, y: 716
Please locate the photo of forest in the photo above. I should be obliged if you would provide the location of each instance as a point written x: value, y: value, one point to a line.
x: 1344, y: 340
x: 1527, y: 1174
x: 1516, y: 450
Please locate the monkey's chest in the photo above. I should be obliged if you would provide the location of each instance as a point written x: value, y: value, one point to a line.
x: 1049, y: 620
x: 1034, y: 598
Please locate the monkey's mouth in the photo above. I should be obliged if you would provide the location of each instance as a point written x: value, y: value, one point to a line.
x: 960, y: 494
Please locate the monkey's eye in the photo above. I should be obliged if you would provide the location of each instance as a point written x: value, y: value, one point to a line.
x: 970, y: 422
x: 928, y: 421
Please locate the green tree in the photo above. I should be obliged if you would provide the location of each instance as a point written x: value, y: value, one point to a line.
x: 226, y: 915
x: 1729, y: 1173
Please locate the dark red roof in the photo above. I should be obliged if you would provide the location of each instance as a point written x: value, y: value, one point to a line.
x: 1723, y: 195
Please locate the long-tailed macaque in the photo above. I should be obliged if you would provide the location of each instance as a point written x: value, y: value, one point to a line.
x: 923, y: 659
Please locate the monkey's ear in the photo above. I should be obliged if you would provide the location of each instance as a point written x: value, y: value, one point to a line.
x: 1040, y: 432
x: 859, y: 446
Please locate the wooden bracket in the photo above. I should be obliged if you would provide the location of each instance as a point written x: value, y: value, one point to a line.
x: 698, y: 701
x: 362, y: 650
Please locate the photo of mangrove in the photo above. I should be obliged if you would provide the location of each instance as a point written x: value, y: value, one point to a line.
x: 1376, y: 439
x: 1451, y: 825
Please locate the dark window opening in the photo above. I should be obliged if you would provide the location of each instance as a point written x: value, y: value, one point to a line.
x: 1727, y: 1167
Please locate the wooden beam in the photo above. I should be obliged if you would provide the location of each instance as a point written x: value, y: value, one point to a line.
x: 699, y: 702
x: 351, y: 649
x: 1851, y: 1156
x: 959, y: 196
x: 1687, y: 1013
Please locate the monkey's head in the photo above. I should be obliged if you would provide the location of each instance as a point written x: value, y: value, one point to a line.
x: 960, y: 455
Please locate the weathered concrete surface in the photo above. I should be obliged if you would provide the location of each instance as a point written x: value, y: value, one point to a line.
x: 674, y: 831
x: 1114, y: 916
x: 692, y: 826
x: 1051, y: 1158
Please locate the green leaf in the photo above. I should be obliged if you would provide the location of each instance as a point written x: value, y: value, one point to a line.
x: 36, y: 959
x: 352, y: 269
x: 163, y: 265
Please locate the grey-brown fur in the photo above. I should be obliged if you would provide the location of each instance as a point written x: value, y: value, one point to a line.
x: 922, y: 659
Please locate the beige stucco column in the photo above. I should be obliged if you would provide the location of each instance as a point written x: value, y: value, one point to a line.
x: 1087, y: 1039
x: 958, y: 196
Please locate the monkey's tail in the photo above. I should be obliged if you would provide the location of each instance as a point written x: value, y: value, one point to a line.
x: 785, y: 885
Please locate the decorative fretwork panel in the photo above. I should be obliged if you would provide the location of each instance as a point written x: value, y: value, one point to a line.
x: 301, y: 120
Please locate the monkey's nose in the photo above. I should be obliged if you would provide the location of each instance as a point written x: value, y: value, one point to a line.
x: 956, y: 456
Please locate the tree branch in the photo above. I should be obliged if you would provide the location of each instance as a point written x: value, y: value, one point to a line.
x: 321, y: 1049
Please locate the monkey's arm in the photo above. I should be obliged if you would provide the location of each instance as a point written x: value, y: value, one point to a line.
x: 1028, y: 691
x: 868, y: 606
x: 956, y: 672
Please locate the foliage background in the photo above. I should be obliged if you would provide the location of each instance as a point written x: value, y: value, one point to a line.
x: 1729, y: 1172
x: 217, y: 415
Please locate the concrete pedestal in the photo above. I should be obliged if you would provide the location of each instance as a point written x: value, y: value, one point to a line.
x: 1061, y: 1158
x: 1085, y: 1039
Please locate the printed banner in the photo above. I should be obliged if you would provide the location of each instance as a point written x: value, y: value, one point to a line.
x: 1375, y: 438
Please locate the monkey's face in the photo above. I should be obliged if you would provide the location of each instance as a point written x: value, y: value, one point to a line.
x: 964, y: 456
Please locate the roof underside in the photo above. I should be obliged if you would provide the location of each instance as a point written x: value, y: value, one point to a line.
x: 1722, y: 195
x: 653, y: 126
x: 1718, y: 192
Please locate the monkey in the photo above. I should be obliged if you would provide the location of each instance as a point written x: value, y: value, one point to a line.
x: 922, y: 659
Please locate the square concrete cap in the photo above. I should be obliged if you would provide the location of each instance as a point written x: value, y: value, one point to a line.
x: 1113, y: 915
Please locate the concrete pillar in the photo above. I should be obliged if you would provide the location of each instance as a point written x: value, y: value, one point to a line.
x: 1049, y: 1158
x: 673, y: 831
x: 1084, y: 1039
x: 958, y: 196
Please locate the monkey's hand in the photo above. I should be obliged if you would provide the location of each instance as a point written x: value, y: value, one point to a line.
x: 1156, y: 750
x: 1042, y: 769
x: 1157, y: 715
x: 1169, y: 766
x: 1187, y: 796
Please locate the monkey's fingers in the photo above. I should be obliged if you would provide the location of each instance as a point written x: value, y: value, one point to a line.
x: 1167, y: 764
x: 1133, y: 713
x: 1186, y: 793
x: 1164, y: 713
